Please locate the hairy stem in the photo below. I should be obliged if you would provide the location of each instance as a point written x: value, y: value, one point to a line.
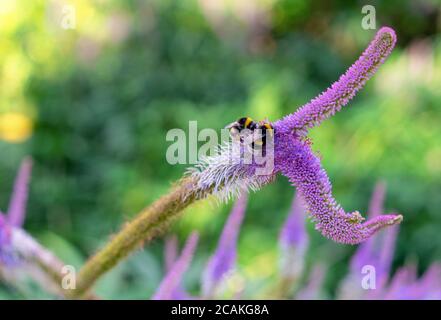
x: 152, y: 221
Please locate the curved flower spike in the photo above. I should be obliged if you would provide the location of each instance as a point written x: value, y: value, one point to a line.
x: 381, y: 257
x: 224, y: 258
x: 296, y: 160
x: 173, y: 278
x: 17, y: 204
x: 339, y: 94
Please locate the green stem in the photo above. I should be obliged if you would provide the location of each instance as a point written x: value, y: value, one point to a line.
x: 152, y: 221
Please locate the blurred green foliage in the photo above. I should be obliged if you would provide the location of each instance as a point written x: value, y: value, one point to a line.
x: 92, y: 105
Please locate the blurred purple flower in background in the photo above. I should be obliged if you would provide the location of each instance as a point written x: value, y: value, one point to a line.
x: 170, y: 257
x: 293, y: 242
x: 313, y: 288
x: 6, y: 253
x: 406, y: 285
x: 16, y: 213
x: 376, y: 251
x: 401, y: 283
x: 386, y: 254
x: 219, y: 264
x: 430, y: 283
x: 366, y: 250
x: 224, y: 258
x: 17, y: 205
x: 170, y: 284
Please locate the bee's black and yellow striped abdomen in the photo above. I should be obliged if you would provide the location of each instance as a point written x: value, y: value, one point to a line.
x: 245, y: 123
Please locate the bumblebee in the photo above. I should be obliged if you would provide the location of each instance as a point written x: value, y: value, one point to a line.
x: 266, y: 129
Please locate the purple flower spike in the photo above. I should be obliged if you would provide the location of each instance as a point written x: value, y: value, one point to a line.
x: 296, y: 160
x: 430, y: 284
x: 17, y: 204
x: 224, y: 258
x: 170, y: 256
x: 339, y: 94
x: 405, y: 285
x: 171, y: 282
x: 376, y: 251
x: 294, y: 240
x: 425, y: 288
x: 386, y: 255
x: 402, y: 283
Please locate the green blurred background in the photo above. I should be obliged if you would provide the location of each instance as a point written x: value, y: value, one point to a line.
x: 92, y: 105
